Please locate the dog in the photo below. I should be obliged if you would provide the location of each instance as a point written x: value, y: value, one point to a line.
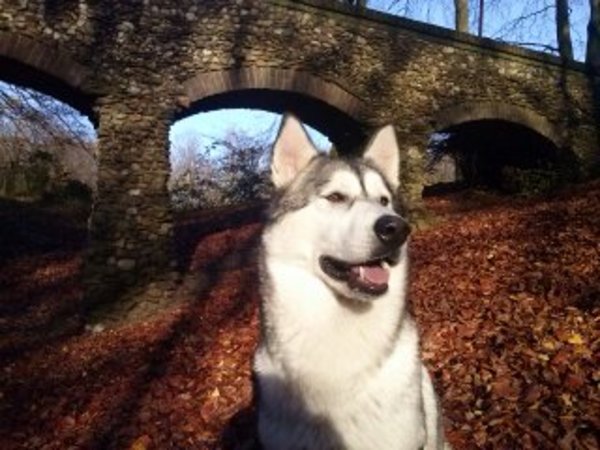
x: 337, y: 365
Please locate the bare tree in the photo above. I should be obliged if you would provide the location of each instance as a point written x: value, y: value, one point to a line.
x: 461, y: 12
x: 480, y: 19
x: 231, y: 169
x: 592, y: 57
x: 37, y: 118
x: 32, y: 123
x: 358, y: 3
x: 527, y: 24
x: 243, y: 166
x: 184, y: 158
x: 194, y: 180
x: 413, y: 8
x: 563, y: 30
x: 526, y: 29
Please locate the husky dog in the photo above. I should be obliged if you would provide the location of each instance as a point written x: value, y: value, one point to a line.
x: 338, y: 364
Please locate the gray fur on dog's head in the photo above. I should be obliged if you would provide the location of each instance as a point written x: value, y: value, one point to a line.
x: 296, y: 161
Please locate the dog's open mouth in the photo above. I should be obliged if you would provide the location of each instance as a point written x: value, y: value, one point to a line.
x: 370, y: 276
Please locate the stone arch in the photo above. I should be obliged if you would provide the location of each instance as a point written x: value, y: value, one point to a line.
x: 321, y: 104
x: 469, y: 112
x: 45, y: 68
x: 212, y: 83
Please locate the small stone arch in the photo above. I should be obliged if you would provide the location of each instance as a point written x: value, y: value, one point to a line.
x: 497, y: 111
x: 45, y: 68
x: 213, y: 83
x: 44, y: 58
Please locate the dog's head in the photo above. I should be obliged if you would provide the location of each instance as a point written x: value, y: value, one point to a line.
x: 338, y: 217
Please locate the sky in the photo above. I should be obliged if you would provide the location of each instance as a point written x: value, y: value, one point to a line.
x: 253, y: 122
x: 499, y: 15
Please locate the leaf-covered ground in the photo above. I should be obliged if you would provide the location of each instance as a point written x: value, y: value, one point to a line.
x: 507, y: 295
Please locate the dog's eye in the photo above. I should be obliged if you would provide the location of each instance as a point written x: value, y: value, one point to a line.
x: 336, y: 197
x: 384, y: 200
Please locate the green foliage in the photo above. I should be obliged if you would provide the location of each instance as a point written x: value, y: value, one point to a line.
x: 27, y: 179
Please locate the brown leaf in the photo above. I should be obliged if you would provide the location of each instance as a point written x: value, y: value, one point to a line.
x: 141, y: 443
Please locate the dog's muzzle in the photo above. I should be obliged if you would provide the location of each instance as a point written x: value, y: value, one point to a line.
x: 371, y: 276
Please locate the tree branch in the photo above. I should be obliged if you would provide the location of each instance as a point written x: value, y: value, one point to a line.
x: 549, y: 48
x: 514, y: 24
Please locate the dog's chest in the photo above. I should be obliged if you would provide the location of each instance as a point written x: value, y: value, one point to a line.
x: 349, y: 378
x: 319, y: 337
x: 317, y: 332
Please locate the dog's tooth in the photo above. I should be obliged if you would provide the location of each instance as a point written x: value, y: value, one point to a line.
x: 361, y: 271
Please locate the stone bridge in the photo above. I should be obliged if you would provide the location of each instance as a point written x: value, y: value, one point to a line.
x: 135, y: 67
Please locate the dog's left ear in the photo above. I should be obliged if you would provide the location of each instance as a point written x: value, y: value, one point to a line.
x: 383, y: 151
x: 292, y: 151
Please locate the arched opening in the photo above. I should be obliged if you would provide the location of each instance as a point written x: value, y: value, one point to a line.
x: 345, y: 132
x: 48, y: 151
x: 48, y: 167
x: 28, y: 63
x: 321, y: 104
x: 47, y: 181
x: 245, y: 122
x: 220, y: 158
x: 220, y: 153
x: 499, y: 155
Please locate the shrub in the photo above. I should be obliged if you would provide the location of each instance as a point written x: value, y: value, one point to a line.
x: 530, y: 182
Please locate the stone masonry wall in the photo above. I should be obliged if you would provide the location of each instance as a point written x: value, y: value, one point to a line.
x: 138, y: 64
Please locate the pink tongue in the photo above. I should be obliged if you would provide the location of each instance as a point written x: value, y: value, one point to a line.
x: 375, y: 274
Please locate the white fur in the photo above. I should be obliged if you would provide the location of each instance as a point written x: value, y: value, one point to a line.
x: 384, y: 153
x: 293, y: 150
x: 349, y: 367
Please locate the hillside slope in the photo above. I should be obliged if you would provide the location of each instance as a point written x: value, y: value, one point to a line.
x: 507, y: 296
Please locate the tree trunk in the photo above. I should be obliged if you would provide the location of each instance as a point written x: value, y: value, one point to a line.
x: 360, y: 4
x: 592, y: 57
x: 461, y: 10
x: 481, y: 12
x: 563, y: 30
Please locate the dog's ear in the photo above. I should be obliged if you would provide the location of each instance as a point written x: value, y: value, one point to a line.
x: 292, y: 151
x: 383, y: 151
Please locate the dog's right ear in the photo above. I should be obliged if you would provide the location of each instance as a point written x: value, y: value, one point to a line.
x: 292, y: 151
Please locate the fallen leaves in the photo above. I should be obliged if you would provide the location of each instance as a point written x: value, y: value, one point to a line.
x: 508, y: 302
x: 575, y: 339
x: 142, y: 443
x: 506, y: 295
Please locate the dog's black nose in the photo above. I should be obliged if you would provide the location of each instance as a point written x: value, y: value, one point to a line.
x: 392, y: 230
